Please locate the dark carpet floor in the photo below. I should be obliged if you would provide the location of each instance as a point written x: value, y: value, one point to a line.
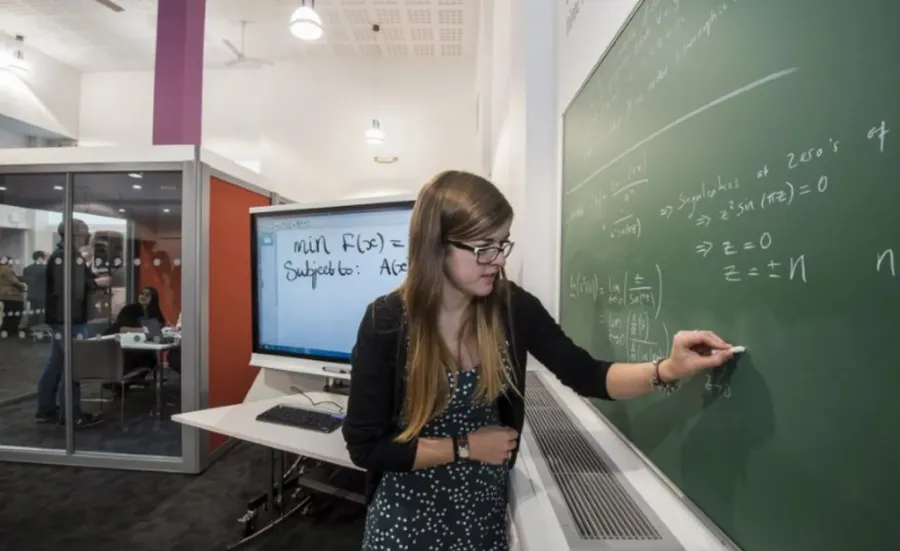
x: 145, y: 434
x: 21, y: 363
x: 78, y: 509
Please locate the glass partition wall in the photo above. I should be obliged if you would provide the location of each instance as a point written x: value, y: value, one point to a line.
x: 91, y: 261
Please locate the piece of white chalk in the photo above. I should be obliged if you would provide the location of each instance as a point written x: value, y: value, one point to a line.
x: 733, y: 350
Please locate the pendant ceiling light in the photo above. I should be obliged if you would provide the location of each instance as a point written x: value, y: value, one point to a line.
x: 306, y: 23
x: 374, y: 135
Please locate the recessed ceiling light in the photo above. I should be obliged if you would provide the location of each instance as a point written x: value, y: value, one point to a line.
x: 137, y: 175
x: 136, y: 186
x: 121, y: 210
x: 2, y: 188
x: 166, y: 210
x: 386, y: 159
x: 58, y: 188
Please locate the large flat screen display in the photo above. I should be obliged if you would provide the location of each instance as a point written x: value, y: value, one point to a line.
x: 316, y: 270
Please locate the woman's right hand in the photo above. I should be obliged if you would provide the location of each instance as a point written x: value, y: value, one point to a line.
x: 492, y: 444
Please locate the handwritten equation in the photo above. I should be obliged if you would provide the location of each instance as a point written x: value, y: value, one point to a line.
x: 651, y: 52
x: 633, y: 303
x: 633, y: 290
x: 732, y: 198
x: 345, y: 254
x: 613, y: 200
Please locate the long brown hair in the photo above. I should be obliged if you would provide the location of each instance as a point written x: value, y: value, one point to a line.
x: 453, y: 206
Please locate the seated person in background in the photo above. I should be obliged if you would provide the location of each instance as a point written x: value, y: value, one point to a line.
x: 130, y: 320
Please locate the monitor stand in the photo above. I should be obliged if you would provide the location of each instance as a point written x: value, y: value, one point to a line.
x: 337, y: 386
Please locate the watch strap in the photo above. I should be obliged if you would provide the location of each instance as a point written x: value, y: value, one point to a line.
x: 656, y: 381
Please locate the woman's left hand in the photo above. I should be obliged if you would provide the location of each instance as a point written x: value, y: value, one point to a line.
x: 692, y: 352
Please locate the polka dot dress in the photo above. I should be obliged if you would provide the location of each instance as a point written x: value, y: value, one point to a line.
x: 458, y: 506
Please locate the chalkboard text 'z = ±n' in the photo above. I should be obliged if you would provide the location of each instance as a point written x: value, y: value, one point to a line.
x: 793, y: 269
x: 884, y: 262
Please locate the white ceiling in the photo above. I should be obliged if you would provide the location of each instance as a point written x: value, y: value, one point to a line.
x: 90, y: 37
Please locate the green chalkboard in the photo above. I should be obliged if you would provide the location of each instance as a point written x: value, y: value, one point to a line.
x: 735, y: 165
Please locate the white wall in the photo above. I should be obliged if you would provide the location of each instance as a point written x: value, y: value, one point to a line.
x: 11, y: 139
x: 46, y: 96
x: 116, y: 109
x: 585, y: 29
x: 302, y: 123
x: 518, y: 48
x: 533, y: 57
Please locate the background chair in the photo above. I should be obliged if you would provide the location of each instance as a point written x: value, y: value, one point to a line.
x: 101, y: 361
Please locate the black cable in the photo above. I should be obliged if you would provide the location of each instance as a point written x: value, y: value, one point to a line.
x: 317, y: 404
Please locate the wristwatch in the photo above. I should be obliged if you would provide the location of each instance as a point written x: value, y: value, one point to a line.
x: 657, y: 383
x: 461, y: 447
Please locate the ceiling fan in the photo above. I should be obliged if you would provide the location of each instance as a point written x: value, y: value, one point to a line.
x: 111, y: 5
x: 239, y: 55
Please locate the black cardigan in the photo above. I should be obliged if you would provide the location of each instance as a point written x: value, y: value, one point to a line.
x: 378, y: 375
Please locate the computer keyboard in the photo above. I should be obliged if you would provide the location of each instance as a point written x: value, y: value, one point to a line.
x: 301, y: 418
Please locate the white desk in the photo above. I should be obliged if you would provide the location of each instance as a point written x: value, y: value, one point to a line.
x: 239, y: 421
x: 158, y: 349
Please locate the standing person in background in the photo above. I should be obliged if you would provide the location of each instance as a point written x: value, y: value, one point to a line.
x: 438, y: 395
x: 51, y: 391
x: 12, y: 294
x: 35, y: 276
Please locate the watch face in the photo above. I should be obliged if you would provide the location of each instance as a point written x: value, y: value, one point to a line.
x: 464, y: 452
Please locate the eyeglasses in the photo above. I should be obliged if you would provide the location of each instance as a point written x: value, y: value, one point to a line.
x: 487, y: 253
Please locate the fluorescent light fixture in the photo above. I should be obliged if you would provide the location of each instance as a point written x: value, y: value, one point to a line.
x: 121, y: 210
x: 166, y: 210
x: 16, y: 60
x: 58, y: 188
x: 2, y: 188
x: 374, y: 135
x: 306, y: 24
x: 135, y: 175
x: 386, y: 159
x: 136, y: 186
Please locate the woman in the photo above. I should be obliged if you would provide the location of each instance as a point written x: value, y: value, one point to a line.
x: 12, y: 295
x: 130, y: 320
x: 436, y: 404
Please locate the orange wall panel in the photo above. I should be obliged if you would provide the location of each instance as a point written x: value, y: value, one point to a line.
x: 164, y: 273
x: 230, y: 326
